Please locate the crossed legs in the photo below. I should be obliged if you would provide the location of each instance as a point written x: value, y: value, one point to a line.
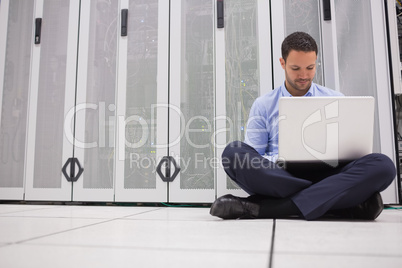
x: 313, y: 192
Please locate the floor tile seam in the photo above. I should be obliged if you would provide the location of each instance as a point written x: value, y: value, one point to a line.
x: 205, y: 250
x: 340, y: 254
x: 142, y: 212
x: 169, y: 220
x: 77, y: 228
x: 6, y: 245
x: 272, y: 246
x: 70, y: 217
x: 60, y: 217
x: 125, y: 218
x: 60, y: 232
x: 21, y: 211
x: 192, y: 220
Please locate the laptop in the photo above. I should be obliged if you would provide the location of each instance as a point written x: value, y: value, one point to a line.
x: 330, y: 130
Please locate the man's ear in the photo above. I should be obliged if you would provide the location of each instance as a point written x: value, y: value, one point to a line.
x: 283, y: 63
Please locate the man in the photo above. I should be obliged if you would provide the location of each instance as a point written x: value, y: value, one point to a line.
x: 349, y: 191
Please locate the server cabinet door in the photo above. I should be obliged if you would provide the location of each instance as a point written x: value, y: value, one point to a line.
x: 96, y: 106
x: 243, y: 73
x: 52, y: 96
x: 16, y: 19
x: 362, y: 53
x: 192, y: 101
x: 141, y: 104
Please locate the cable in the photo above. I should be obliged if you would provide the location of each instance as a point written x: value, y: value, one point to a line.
x: 177, y: 206
x: 395, y: 208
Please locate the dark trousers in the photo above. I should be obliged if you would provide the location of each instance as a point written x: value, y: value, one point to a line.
x: 314, y: 191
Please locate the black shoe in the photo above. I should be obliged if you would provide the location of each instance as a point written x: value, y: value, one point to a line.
x: 368, y: 210
x: 232, y: 207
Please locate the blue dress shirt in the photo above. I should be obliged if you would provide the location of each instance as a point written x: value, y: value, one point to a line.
x: 262, y: 125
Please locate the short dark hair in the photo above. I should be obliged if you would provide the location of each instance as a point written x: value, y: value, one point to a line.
x: 299, y: 41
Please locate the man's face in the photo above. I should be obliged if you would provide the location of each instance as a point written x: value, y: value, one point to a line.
x: 299, y: 71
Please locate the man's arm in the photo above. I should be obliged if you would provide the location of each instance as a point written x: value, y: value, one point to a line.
x: 257, y: 129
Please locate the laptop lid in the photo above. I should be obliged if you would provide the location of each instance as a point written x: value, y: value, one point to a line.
x: 325, y: 129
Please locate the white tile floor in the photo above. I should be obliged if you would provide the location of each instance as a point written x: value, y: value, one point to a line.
x: 116, y: 236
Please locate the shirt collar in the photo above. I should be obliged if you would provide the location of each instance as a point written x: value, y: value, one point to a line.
x: 310, y: 92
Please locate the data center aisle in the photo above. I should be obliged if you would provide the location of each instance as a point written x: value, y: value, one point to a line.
x: 117, y: 236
